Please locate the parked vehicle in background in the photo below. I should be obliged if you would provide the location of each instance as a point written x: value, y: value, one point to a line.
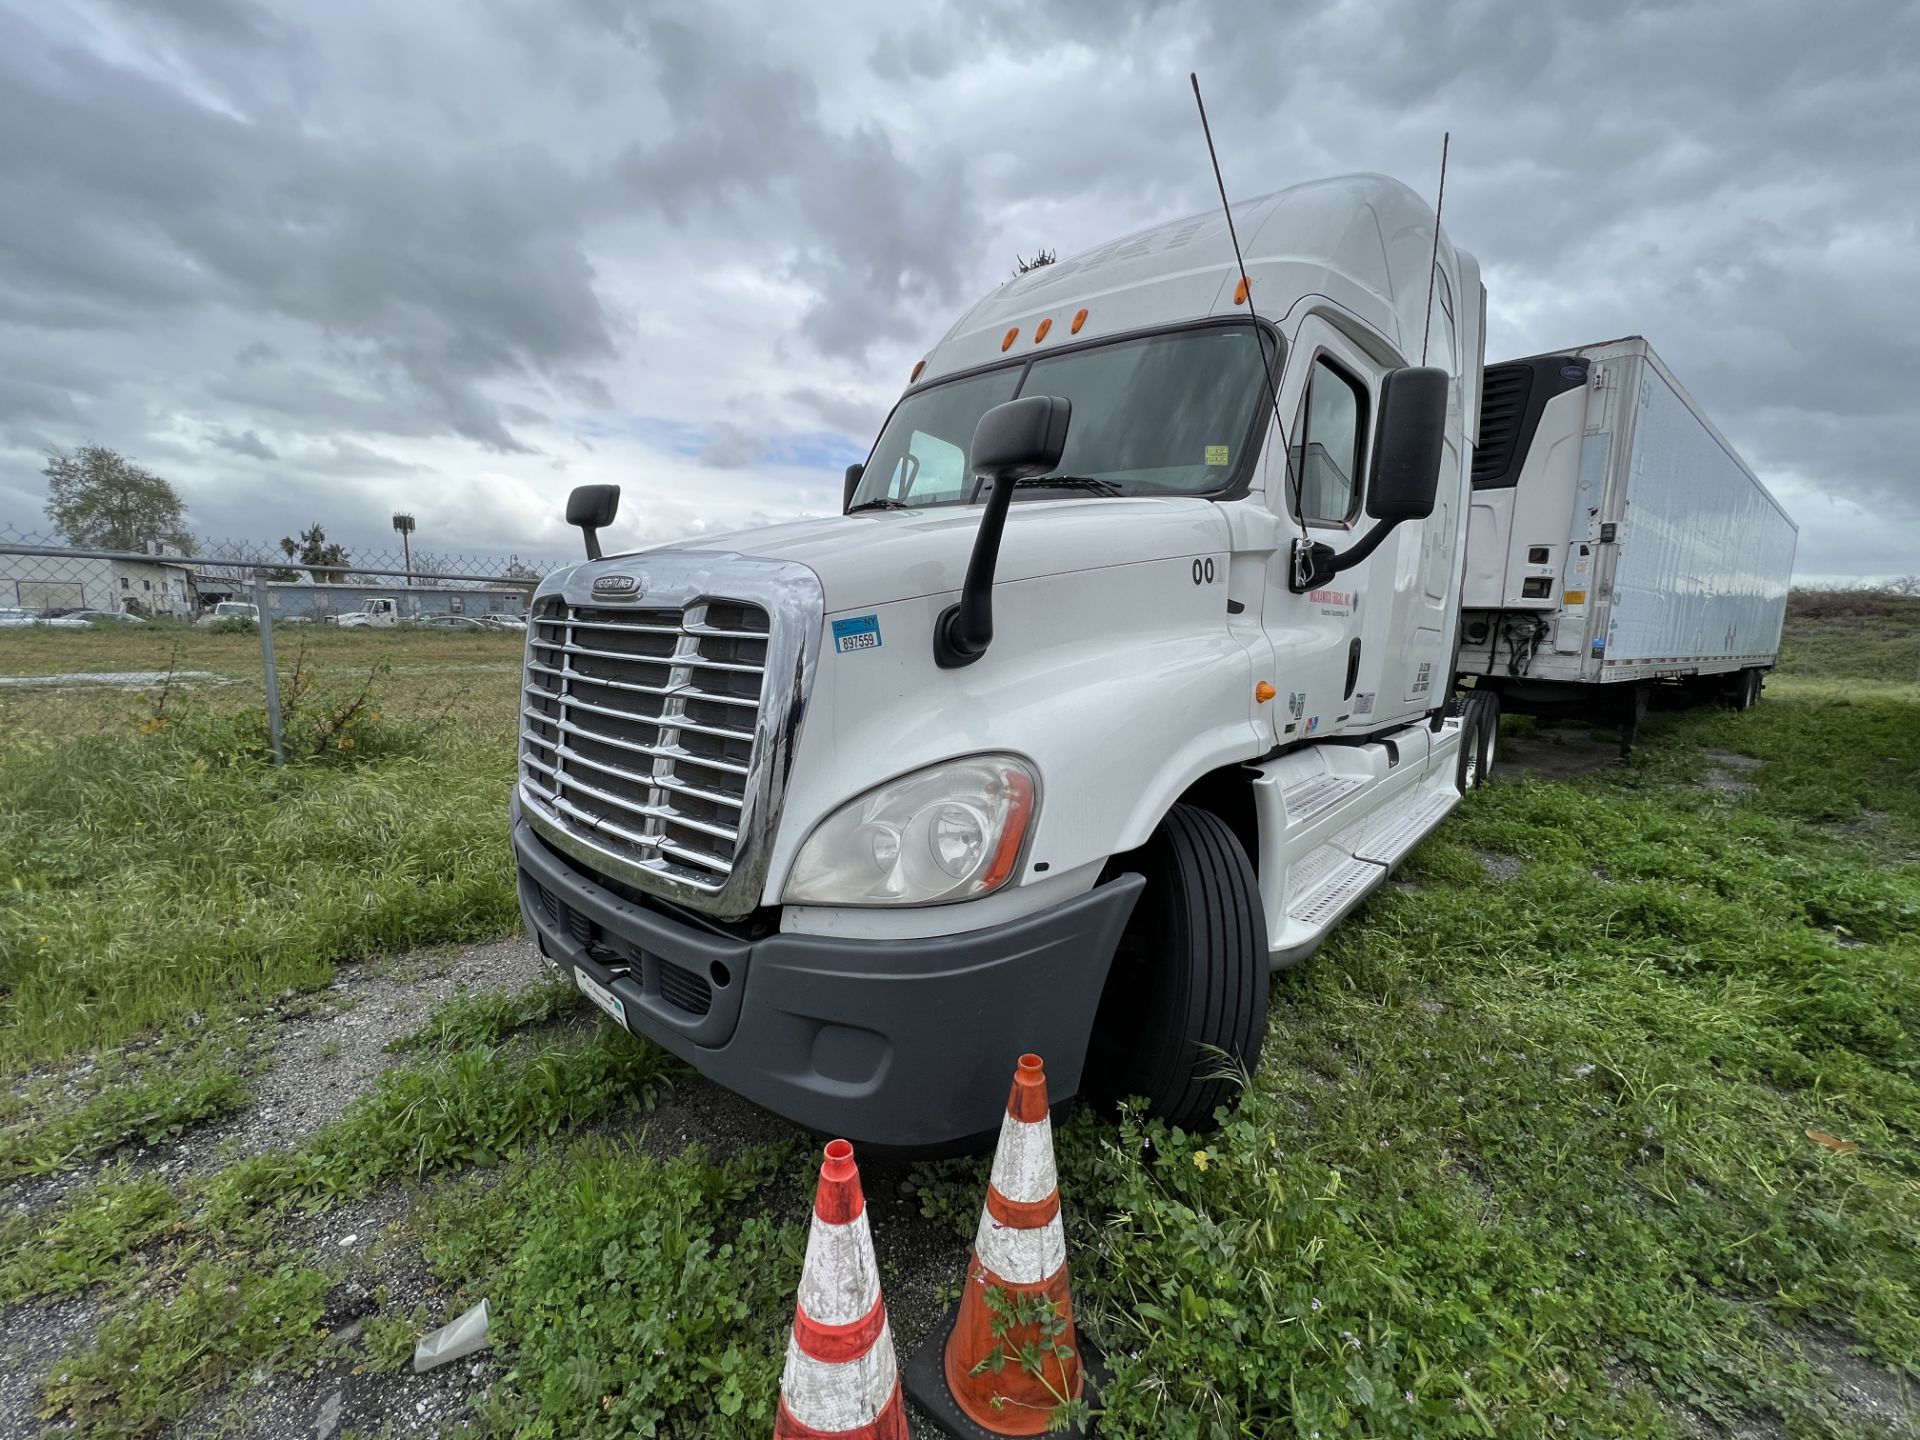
x: 105, y: 617
x: 1617, y: 543
x: 501, y: 620
x: 449, y: 622
x: 381, y: 612
x: 230, y: 610
x: 14, y: 617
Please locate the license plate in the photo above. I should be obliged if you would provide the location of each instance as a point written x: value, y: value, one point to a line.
x: 600, y: 995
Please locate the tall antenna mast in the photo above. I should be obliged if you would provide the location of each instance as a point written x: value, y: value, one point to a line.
x: 1433, y: 269
x: 1246, y: 286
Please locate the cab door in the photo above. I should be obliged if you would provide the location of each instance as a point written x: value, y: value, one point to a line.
x: 1319, y: 650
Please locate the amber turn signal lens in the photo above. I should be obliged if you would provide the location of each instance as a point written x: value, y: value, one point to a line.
x: 1012, y: 335
x: 1240, y: 291
x: 1264, y: 692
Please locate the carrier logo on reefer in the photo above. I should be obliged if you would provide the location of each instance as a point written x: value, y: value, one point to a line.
x: 616, y: 585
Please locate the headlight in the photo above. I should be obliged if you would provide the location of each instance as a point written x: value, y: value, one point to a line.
x: 950, y: 832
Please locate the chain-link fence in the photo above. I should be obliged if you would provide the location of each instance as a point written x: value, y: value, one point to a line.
x: 229, y: 586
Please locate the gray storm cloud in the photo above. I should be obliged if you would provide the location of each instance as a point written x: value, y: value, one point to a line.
x: 319, y: 261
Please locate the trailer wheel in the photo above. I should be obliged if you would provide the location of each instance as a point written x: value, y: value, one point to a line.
x: 1185, y: 1008
x: 1746, y: 690
x: 1479, y: 729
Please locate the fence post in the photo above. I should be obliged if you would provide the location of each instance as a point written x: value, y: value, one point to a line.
x: 260, y: 599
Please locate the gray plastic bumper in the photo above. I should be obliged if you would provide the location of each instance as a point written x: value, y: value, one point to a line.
x: 903, y: 1043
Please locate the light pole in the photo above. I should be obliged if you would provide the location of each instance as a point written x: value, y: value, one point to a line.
x: 404, y: 524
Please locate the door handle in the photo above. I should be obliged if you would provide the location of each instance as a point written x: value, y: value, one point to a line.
x: 1353, y: 667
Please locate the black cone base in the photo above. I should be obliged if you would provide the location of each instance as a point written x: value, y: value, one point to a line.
x: 925, y: 1378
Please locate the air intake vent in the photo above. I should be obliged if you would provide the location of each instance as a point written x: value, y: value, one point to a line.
x: 1511, y: 399
x: 1503, y: 405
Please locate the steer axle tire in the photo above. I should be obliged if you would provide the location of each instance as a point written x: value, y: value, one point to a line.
x: 1184, y: 1012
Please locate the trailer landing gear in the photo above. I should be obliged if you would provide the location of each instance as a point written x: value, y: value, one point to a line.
x: 1633, y: 709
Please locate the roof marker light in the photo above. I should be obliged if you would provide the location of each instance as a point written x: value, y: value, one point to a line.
x: 1041, y: 333
x: 1012, y: 335
x: 1240, y: 291
x: 1078, y: 320
x: 916, y: 372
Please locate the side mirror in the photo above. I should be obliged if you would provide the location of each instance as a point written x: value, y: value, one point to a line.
x: 1404, y: 479
x: 854, y: 472
x: 1406, y: 454
x: 590, y: 507
x: 1021, y: 438
x: 1013, y: 441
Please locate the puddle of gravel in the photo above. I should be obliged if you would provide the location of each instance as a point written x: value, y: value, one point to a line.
x: 1500, y: 867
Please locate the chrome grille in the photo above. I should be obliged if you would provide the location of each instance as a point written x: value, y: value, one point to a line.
x: 640, y: 729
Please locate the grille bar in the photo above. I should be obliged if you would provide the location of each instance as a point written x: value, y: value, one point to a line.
x: 661, y: 752
x: 642, y: 729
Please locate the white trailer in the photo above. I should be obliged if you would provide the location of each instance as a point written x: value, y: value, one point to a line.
x: 1616, y: 542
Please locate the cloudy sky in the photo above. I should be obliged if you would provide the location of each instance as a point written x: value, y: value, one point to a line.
x: 455, y: 256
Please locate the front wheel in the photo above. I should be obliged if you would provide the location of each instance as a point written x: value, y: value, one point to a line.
x: 1185, y: 1008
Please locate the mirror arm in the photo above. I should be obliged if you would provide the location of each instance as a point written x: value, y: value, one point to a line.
x: 965, y: 628
x: 591, y: 534
x: 1316, y: 563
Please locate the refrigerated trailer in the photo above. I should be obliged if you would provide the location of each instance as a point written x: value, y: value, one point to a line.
x: 1616, y: 542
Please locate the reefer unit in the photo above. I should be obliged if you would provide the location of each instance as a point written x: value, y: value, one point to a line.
x: 1615, y: 537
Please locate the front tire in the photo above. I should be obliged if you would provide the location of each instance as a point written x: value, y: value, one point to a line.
x: 1184, y: 1012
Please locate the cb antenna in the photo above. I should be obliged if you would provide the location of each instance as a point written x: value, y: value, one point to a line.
x: 1433, y: 269
x: 1246, y: 287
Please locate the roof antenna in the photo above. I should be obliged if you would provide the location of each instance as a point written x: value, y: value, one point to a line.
x: 1433, y: 268
x: 1246, y: 286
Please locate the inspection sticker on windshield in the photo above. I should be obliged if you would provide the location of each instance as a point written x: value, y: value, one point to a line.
x: 1216, y: 454
x: 600, y: 995
x: 862, y: 632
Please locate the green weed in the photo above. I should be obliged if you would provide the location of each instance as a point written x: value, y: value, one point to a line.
x: 148, y: 1366
x: 169, y: 1096
x: 474, y: 1107
x: 489, y: 1017
x: 629, y: 1292
x: 87, y: 1239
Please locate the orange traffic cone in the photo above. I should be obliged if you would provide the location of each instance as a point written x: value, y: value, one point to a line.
x: 971, y: 1380
x: 842, y: 1381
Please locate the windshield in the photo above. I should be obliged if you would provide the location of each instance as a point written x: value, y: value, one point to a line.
x: 1171, y: 414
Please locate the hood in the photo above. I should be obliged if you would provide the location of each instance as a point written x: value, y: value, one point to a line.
x: 880, y: 556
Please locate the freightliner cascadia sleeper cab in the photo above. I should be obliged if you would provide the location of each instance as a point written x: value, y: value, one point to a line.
x: 1099, y: 702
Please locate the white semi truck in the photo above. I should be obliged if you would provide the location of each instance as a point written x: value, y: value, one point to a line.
x: 1099, y: 702
x: 1617, y: 543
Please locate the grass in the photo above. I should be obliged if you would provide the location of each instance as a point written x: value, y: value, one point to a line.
x: 1621, y: 1145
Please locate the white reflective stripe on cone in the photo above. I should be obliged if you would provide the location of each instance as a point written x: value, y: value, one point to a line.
x: 842, y: 1396
x: 1020, y: 1257
x: 1023, y: 1163
x: 839, y: 1282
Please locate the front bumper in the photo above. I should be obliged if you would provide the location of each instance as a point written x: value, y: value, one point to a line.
x: 901, y: 1043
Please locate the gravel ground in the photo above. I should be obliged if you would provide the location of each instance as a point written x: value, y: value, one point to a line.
x: 320, y: 1052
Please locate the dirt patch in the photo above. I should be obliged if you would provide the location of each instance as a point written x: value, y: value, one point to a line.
x: 32, y: 1338
x: 1558, y: 750
x: 1874, y: 1394
x: 1729, y: 760
x: 1500, y: 867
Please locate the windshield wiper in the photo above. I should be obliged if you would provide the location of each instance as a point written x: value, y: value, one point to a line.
x: 1069, y: 482
x: 879, y: 502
